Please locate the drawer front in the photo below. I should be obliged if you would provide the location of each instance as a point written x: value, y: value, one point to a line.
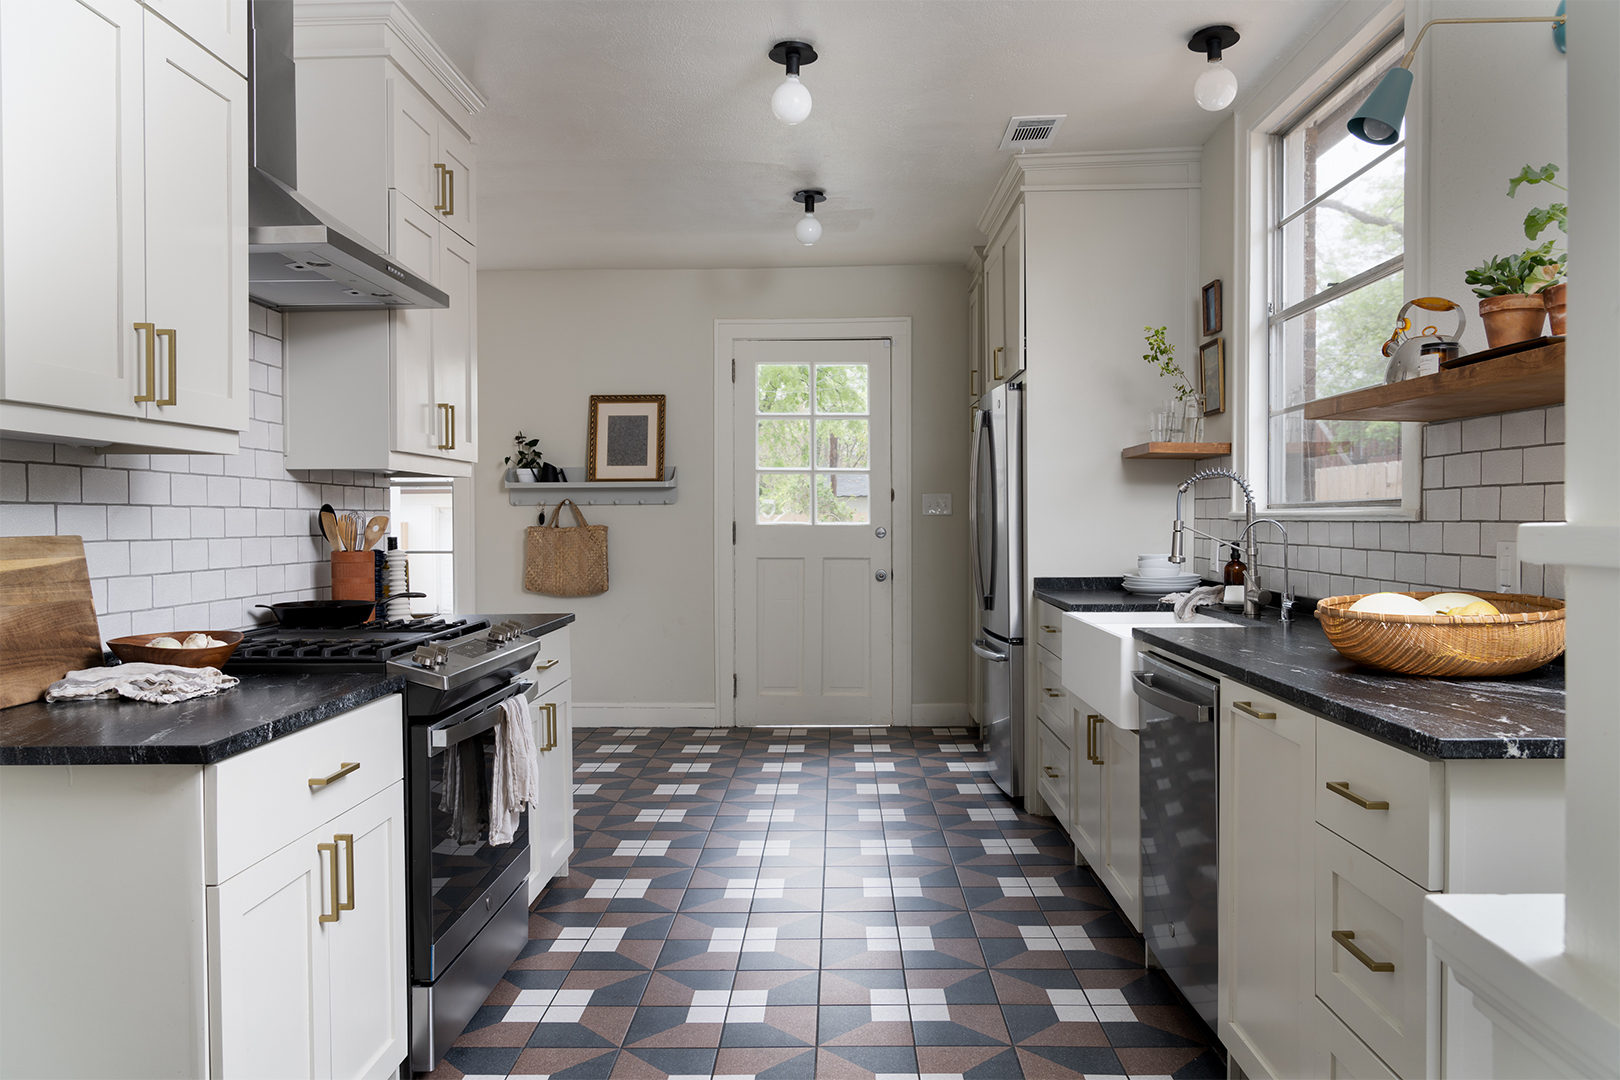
x: 1406, y: 833
x: 1390, y: 1010
x: 551, y: 663
x: 1336, y: 1052
x: 1049, y: 633
x: 258, y: 802
x: 1053, y: 700
x: 1052, y: 775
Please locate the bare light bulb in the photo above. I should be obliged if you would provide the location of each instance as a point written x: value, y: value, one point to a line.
x: 791, y: 102
x: 1216, y: 87
x: 808, y: 229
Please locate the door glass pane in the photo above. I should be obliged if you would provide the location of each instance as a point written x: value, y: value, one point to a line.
x: 784, y: 499
x: 783, y: 444
x: 843, y: 498
x: 784, y: 388
x: 842, y: 444
x: 841, y: 388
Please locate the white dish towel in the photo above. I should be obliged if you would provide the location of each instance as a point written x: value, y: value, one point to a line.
x: 162, y: 683
x: 517, y: 770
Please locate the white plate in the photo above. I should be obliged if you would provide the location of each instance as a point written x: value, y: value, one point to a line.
x: 1187, y: 579
x: 1156, y: 589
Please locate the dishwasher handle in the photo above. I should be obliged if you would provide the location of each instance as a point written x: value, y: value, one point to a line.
x: 982, y: 647
x: 1170, y: 703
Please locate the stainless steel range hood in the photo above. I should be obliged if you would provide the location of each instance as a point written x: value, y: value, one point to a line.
x: 299, y: 257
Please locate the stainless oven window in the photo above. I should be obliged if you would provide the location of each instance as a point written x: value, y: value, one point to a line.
x: 463, y: 864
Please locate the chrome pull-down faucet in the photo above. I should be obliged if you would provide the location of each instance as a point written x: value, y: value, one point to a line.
x: 1253, y: 576
x: 1251, y: 580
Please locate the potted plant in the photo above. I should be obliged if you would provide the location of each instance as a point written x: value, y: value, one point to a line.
x: 525, y: 461
x: 1186, y: 415
x: 1537, y: 222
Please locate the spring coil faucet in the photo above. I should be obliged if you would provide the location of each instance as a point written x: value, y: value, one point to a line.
x: 1251, y: 580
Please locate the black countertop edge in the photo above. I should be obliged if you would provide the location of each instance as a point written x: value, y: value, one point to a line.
x: 1323, y: 682
x: 93, y: 718
x: 1077, y: 584
x: 1095, y: 598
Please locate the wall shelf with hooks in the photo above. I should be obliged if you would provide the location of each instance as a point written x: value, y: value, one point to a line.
x: 585, y: 493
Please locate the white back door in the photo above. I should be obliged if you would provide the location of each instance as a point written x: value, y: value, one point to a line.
x: 812, y: 490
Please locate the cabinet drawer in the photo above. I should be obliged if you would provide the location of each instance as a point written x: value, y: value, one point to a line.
x: 1390, y: 1010
x: 261, y: 800
x: 1052, y: 775
x: 1048, y: 633
x: 551, y: 663
x: 1336, y: 1052
x: 1052, y: 699
x: 1407, y: 832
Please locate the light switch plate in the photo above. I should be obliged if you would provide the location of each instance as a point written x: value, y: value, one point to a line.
x: 1507, y: 567
x: 939, y: 505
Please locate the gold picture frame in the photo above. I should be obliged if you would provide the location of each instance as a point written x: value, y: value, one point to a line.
x: 1210, y: 307
x: 625, y: 439
x: 1212, y: 375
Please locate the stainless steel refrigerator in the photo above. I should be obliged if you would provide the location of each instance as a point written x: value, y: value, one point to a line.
x: 996, y: 524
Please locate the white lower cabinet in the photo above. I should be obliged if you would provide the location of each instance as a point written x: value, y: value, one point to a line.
x: 1121, y: 866
x: 551, y: 823
x: 1052, y: 778
x: 1088, y: 783
x: 1335, y: 1053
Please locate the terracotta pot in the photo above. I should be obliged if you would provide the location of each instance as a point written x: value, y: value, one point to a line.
x: 1512, y: 318
x: 1554, y: 299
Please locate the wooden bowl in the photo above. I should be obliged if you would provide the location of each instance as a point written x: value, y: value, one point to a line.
x: 135, y: 650
x: 1528, y: 634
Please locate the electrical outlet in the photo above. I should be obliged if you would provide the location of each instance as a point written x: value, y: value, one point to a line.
x: 1507, y: 567
x: 939, y: 505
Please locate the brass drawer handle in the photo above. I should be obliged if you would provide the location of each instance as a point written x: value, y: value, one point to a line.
x: 1054, y: 693
x: 347, y: 768
x: 547, y: 665
x: 972, y: 393
x: 995, y: 362
x: 1053, y: 773
x: 1346, y: 938
x: 450, y: 193
x: 331, y: 852
x: 1091, y: 739
x: 1052, y: 629
x: 174, y: 389
x: 1248, y: 707
x: 439, y: 206
x: 1342, y: 788
x: 448, y: 412
x: 551, y: 726
x: 347, y: 839
x: 151, y: 361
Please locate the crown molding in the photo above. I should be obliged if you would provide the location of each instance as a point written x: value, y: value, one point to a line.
x: 1090, y: 170
x: 389, y: 16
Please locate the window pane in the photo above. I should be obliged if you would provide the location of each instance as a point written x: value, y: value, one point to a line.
x: 1355, y: 230
x: 784, y: 499
x: 843, y: 498
x: 1317, y: 461
x: 422, y: 518
x: 783, y: 444
x: 841, y: 388
x: 841, y: 444
x: 784, y: 388
x: 1320, y: 152
x: 1336, y: 347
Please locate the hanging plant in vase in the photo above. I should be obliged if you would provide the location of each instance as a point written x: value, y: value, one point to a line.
x: 525, y: 460
x: 1185, y: 415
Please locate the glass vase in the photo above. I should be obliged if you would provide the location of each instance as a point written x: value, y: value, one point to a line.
x: 1193, y: 425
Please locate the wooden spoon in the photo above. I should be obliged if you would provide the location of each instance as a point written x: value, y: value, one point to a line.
x: 329, y: 526
x: 374, y: 530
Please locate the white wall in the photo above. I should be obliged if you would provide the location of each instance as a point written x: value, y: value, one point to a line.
x: 550, y: 339
x: 1217, y: 182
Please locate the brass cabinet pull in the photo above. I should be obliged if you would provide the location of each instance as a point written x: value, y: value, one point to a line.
x: 1342, y: 789
x: 550, y: 708
x: 151, y: 361
x: 1091, y: 739
x: 972, y: 393
x: 1052, y: 629
x: 1054, y: 693
x: 331, y: 851
x: 439, y: 206
x: 347, y: 839
x: 347, y: 767
x: 547, y: 665
x: 452, y: 409
x: 450, y: 193
x: 447, y: 414
x: 1053, y: 773
x: 174, y: 391
x: 1346, y: 938
x: 1248, y: 707
x: 995, y: 362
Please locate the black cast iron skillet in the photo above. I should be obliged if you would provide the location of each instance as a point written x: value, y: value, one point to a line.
x: 326, y: 614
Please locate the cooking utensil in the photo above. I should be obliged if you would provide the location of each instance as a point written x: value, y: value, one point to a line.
x: 1422, y: 354
x: 375, y: 529
x: 329, y: 526
x: 324, y: 614
x: 355, y: 523
x: 135, y: 650
x: 47, y: 616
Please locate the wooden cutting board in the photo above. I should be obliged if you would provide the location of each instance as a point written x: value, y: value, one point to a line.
x: 47, y: 616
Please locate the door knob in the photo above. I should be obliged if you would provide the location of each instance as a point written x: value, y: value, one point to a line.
x: 882, y: 532
x: 883, y: 575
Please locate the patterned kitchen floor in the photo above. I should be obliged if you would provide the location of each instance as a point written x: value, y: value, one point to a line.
x: 827, y: 903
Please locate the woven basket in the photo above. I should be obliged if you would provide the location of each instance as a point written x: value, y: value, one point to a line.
x: 1528, y: 634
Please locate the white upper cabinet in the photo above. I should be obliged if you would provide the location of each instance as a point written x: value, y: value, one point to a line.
x: 220, y: 26
x: 124, y: 225
x: 1004, y: 300
x: 432, y: 159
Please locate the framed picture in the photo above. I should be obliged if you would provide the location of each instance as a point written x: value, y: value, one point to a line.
x: 1212, y: 308
x: 626, y: 439
x: 1212, y: 375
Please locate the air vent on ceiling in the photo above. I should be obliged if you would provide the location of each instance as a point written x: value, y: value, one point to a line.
x: 1030, y: 132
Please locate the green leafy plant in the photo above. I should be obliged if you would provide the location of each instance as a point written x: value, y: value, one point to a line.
x: 1527, y: 272
x: 1162, y: 355
x: 1537, y: 221
x: 526, y: 456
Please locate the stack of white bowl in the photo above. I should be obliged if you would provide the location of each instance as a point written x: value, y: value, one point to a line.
x: 1156, y: 575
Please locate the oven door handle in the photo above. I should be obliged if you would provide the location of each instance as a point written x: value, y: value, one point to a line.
x: 1170, y: 703
x: 444, y: 738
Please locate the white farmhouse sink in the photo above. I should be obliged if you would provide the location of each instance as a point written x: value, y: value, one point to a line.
x: 1099, y: 655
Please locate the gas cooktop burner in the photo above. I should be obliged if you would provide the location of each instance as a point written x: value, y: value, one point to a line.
x: 351, y: 649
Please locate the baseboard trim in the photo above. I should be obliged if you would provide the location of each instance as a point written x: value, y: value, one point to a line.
x: 943, y: 714
x: 644, y: 714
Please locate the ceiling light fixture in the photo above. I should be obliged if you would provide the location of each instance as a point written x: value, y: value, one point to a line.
x: 791, y: 102
x: 1378, y: 121
x: 1217, y: 86
x: 808, y: 229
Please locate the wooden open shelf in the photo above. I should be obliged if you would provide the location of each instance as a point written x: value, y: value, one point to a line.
x: 1520, y: 380
x: 1185, y: 451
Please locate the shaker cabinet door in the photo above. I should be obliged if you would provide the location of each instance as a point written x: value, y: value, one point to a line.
x: 551, y: 824
x: 1122, y: 826
x: 455, y: 346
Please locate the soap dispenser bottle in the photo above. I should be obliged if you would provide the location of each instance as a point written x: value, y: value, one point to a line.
x: 1235, y: 570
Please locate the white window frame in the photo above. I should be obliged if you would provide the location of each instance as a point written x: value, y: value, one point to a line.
x: 1348, y: 40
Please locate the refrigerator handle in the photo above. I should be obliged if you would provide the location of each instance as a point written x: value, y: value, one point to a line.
x: 988, y: 445
x: 982, y: 647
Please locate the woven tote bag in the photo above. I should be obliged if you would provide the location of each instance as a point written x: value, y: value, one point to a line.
x: 566, y: 561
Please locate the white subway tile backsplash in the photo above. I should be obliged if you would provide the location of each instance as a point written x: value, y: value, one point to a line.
x: 1482, y: 503
x: 151, y: 557
x: 1461, y: 538
x: 1443, y: 504
x: 186, y: 489
x: 1523, y: 503
x: 171, y: 522
x: 146, y: 487
x: 1544, y: 465
x: 1482, y: 433
x: 53, y: 483
x: 1444, y: 571
x: 87, y: 522
x: 1528, y: 428
x: 129, y: 594
x: 1462, y: 470
x: 1502, y: 467
x: 191, y: 555
x: 129, y: 522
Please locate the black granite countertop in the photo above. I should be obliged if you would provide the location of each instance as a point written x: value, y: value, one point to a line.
x: 1516, y: 716
x: 118, y: 731
x: 1093, y: 594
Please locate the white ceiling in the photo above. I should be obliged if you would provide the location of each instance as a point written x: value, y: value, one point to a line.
x: 638, y: 133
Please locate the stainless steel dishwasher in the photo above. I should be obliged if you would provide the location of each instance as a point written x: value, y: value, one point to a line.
x: 1180, y: 820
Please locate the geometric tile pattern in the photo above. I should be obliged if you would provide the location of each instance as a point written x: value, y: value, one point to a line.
x: 783, y: 909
